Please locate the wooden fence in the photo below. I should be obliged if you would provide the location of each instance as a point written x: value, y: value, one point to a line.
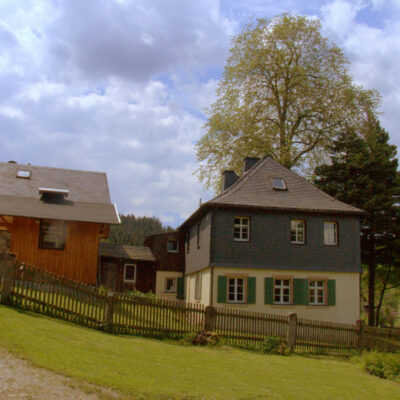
x: 38, y: 290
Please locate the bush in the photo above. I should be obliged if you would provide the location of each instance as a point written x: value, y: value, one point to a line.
x: 383, y: 365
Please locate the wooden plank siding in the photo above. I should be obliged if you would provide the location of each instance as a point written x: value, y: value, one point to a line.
x: 77, y: 261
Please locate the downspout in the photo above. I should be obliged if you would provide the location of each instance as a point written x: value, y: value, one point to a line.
x: 212, y: 257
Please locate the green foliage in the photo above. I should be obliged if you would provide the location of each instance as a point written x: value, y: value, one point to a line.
x: 286, y: 91
x: 274, y: 344
x: 362, y: 171
x: 383, y: 365
x: 143, y: 295
x: 133, y: 230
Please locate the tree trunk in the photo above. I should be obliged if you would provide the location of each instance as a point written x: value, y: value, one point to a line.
x: 371, y: 280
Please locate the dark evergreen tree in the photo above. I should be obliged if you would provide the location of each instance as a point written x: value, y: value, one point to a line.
x: 363, y: 172
x: 133, y: 230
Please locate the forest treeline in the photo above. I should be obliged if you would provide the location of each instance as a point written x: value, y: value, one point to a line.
x: 133, y: 230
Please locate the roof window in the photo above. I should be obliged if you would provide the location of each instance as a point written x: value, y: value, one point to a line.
x: 51, y: 195
x: 23, y: 174
x: 279, y: 184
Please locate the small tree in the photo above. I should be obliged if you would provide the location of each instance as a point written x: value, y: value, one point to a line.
x: 285, y: 91
x: 363, y: 172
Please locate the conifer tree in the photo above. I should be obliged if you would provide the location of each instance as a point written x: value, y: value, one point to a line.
x: 363, y: 172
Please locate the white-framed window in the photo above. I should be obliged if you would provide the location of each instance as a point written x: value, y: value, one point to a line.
x: 130, y: 273
x: 170, y: 285
x: 297, y: 231
x: 282, y: 290
x: 197, y: 287
x: 316, y: 291
x: 236, y: 289
x: 172, y: 246
x: 241, y: 228
x: 330, y: 233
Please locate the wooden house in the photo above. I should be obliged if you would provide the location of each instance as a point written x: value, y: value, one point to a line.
x: 54, y: 218
x: 125, y: 268
x: 157, y: 267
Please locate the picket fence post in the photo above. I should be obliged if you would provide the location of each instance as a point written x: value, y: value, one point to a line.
x: 109, y: 312
x: 360, y: 334
x: 292, y: 331
x: 209, y: 318
x: 8, y: 274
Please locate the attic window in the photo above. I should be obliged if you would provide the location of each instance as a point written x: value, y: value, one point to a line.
x: 52, y: 195
x: 23, y: 174
x: 278, y: 184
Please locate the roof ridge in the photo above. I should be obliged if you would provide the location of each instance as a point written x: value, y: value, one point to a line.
x: 313, y: 187
x: 56, y: 168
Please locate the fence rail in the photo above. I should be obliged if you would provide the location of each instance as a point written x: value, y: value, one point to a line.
x: 38, y: 290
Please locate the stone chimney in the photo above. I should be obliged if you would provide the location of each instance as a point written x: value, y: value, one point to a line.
x: 249, y: 163
x: 228, y: 179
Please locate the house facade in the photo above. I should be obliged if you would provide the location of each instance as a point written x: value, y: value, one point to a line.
x: 168, y: 251
x: 54, y: 218
x: 272, y: 242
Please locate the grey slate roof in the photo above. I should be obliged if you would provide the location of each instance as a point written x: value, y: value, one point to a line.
x: 254, y: 189
x: 125, y: 251
x: 88, y: 198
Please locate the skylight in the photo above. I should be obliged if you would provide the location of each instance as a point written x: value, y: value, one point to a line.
x: 279, y: 184
x: 23, y: 174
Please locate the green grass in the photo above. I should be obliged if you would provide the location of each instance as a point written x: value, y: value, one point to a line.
x: 153, y: 369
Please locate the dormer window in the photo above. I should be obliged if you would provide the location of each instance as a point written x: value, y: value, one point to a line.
x: 23, y: 174
x: 52, y: 195
x: 279, y: 184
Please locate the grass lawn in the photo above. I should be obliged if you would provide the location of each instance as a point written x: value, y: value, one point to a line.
x: 153, y: 369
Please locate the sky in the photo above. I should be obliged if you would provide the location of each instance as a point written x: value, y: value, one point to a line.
x: 121, y: 86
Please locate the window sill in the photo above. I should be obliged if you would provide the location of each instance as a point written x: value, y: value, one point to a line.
x: 241, y: 240
x: 298, y: 243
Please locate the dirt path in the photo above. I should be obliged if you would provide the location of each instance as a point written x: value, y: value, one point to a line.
x: 20, y: 380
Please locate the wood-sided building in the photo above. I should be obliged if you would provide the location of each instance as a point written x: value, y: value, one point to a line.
x: 54, y: 218
x: 124, y: 267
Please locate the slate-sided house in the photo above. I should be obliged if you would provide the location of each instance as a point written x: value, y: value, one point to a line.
x: 272, y: 242
x: 53, y: 218
x: 168, y: 250
x: 124, y: 267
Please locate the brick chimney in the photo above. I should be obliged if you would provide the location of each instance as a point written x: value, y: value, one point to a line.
x: 249, y: 163
x: 228, y: 179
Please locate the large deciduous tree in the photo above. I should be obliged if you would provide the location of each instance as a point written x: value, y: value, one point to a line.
x: 285, y: 91
x: 362, y: 171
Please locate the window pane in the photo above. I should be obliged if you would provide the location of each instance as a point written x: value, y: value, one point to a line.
x: 129, y: 272
x: 52, y: 234
x: 172, y: 245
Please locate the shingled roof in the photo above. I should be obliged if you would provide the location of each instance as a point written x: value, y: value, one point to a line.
x: 88, y: 195
x: 255, y: 189
x: 125, y: 251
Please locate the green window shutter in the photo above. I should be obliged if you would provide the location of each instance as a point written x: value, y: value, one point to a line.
x: 180, y: 289
x: 331, y: 292
x: 221, y: 289
x: 268, y: 291
x: 300, y: 291
x: 251, y: 290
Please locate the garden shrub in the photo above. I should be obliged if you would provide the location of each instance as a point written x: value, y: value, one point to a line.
x: 383, y: 365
